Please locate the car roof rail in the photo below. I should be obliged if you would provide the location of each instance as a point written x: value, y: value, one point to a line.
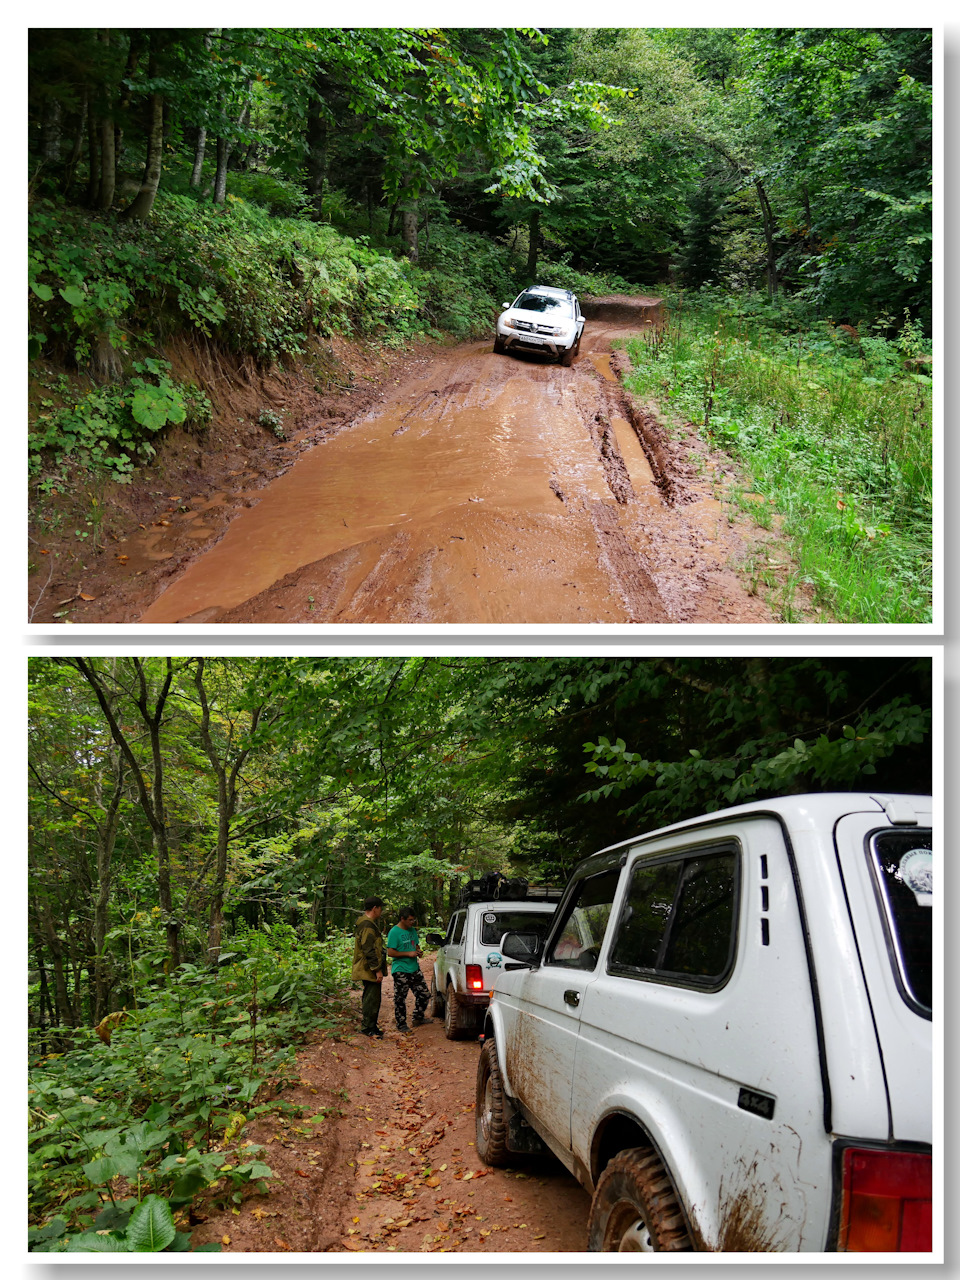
x: 495, y: 887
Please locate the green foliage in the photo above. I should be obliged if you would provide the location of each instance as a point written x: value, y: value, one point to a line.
x: 110, y: 429
x: 826, y: 760
x: 835, y: 434
x: 163, y: 1104
x: 849, y: 115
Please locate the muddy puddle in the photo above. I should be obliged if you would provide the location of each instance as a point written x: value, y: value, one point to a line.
x: 484, y: 489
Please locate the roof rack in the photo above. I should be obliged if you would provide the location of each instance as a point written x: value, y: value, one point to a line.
x: 495, y: 886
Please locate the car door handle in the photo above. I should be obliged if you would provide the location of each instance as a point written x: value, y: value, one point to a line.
x: 571, y: 997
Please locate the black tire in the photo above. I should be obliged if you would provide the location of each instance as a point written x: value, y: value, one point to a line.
x: 499, y: 347
x: 437, y: 998
x: 491, y: 1121
x: 635, y: 1208
x: 458, y: 1023
x: 568, y: 356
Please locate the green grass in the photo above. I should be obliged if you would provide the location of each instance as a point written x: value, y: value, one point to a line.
x: 833, y: 430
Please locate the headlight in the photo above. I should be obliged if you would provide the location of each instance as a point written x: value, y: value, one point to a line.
x: 510, y: 324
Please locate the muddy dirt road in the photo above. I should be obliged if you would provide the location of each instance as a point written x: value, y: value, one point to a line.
x: 393, y: 1166
x: 482, y: 489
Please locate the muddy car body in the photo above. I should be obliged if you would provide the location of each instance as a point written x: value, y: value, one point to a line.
x: 726, y: 1035
x: 469, y: 960
x: 542, y: 319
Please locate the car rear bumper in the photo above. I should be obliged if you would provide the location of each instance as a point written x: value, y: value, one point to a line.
x: 474, y: 999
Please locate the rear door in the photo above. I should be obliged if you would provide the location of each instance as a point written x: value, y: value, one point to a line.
x: 492, y: 923
x: 450, y: 955
x: 888, y: 876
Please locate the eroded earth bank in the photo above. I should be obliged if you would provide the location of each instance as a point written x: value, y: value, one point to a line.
x: 474, y: 488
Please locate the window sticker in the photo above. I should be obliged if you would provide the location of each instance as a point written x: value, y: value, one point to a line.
x: 916, y: 871
x: 489, y: 917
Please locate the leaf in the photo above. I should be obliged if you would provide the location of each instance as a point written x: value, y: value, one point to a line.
x: 73, y: 295
x: 91, y: 1242
x: 237, y: 1119
x: 151, y: 1227
x: 43, y: 291
x: 109, y: 1167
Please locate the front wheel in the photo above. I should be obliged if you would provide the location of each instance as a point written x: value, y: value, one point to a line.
x: 491, y: 1121
x: 570, y: 354
x: 499, y: 346
x: 635, y: 1208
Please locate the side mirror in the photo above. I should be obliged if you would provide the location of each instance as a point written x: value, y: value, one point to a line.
x: 523, y: 947
x: 504, y: 306
x: 435, y: 939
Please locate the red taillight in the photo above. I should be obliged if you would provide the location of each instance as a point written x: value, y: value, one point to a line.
x: 887, y: 1202
x: 474, y: 977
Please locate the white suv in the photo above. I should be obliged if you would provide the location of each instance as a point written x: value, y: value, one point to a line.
x: 541, y: 319
x: 726, y: 1035
x: 469, y: 960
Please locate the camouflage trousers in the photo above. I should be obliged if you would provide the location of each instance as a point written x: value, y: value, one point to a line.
x: 404, y: 983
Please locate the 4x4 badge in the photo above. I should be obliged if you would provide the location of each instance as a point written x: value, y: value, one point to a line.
x: 759, y: 1104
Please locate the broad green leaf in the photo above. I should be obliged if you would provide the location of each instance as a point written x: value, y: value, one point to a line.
x: 151, y: 1227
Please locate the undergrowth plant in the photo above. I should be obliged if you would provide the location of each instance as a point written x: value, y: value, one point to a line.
x: 109, y: 429
x: 148, y: 1109
x: 832, y: 428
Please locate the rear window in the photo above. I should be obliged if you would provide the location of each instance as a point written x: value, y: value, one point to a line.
x: 902, y: 865
x: 494, y: 924
x: 678, y: 923
x: 544, y: 302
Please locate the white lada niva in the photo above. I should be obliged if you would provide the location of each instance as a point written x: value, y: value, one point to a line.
x: 726, y: 1032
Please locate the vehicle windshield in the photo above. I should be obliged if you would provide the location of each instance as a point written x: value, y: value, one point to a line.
x: 544, y: 302
x: 903, y: 872
x: 494, y: 924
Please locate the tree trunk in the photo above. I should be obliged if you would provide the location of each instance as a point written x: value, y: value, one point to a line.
x: 392, y: 222
x: 143, y: 201
x: 51, y: 133
x: 220, y: 181
x: 316, y: 158
x: 108, y: 164
x: 534, y: 249
x: 226, y: 806
x: 224, y: 147
x: 409, y: 220
x: 767, y: 212
x: 101, y: 910
x: 149, y: 793
x: 77, y: 150
x: 93, y: 160
x: 108, y: 150
x: 64, y: 1007
x: 198, y: 154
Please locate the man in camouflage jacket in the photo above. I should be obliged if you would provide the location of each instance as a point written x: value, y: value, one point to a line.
x: 369, y: 965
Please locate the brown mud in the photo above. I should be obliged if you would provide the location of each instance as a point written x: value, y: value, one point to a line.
x: 467, y: 487
x: 392, y: 1166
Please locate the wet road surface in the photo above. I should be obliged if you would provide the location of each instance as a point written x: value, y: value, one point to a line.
x: 483, y: 489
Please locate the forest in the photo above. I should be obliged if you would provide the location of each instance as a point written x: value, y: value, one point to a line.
x: 209, y: 201
x: 203, y: 832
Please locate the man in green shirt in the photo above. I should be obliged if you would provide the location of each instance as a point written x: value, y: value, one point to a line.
x: 369, y: 965
x: 403, y: 948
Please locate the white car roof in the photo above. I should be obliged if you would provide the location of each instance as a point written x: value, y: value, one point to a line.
x: 816, y: 811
